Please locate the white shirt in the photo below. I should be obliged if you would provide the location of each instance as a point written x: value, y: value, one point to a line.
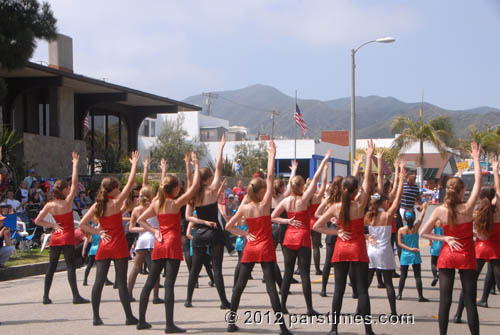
x: 13, y: 203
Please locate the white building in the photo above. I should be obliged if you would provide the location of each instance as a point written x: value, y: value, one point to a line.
x: 209, y: 130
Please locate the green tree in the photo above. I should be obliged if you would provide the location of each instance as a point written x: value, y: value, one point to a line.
x: 253, y: 157
x: 488, y: 138
x: 437, y: 131
x: 21, y: 23
x: 172, y: 145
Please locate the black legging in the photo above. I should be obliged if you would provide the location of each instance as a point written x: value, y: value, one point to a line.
x: 495, y: 263
x: 389, y: 287
x: 121, y: 267
x: 469, y: 285
x: 434, y: 261
x: 90, y: 264
x: 304, y: 255
x: 69, y: 258
x: 328, y: 264
x: 186, y: 251
x: 269, y: 273
x: 316, y: 245
x: 171, y: 268
x: 418, y: 279
x: 216, y: 254
x: 360, y: 279
x: 492, y: 279
x: 237, y: 268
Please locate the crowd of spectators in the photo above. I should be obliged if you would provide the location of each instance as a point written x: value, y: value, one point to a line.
x: 28, y: 198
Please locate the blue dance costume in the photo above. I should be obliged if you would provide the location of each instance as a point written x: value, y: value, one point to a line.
x: 410, y: 257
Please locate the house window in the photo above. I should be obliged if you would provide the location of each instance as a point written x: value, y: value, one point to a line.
x: 145, y: 128
x: 43, y: 120
x: 152, y: 128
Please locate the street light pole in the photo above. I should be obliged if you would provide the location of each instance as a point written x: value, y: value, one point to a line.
x: 352, y: 139
x: 352, y: 133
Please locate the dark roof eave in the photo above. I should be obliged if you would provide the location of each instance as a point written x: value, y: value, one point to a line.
x: 112, y: 86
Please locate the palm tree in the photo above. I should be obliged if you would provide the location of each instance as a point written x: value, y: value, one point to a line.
x: 437, y: 131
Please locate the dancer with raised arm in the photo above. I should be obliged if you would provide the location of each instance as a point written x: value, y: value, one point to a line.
x: 113, y: 244
x: 260, y: 245
x: 63, y: 236
x: 297, y: 242
x: 379, y: 219
x: 334, y: 196
x: 279, y: 230
x: 315, y: 236
x: 350, y: 248
x: 458, y: 250
x: 167, y: 252
x: 487, y: 227
x: 209, y: 233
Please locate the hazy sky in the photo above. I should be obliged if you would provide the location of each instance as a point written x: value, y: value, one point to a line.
x: 449, y: 48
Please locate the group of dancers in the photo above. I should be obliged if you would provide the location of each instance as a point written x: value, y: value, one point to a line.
x: 358, y: 221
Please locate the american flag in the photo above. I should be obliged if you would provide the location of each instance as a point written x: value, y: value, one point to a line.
x: 85, y: 127
x: 299, y: 120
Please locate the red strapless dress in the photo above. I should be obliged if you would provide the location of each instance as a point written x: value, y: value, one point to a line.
x: 262, y: 248
x: 312, y: 210
x: 295, y: 238
x: 170, y: 246
x: 464, y: 259
x: 116, y: 247
x: 66, y: 236
x: 353, y: 250
x: 490, y: 248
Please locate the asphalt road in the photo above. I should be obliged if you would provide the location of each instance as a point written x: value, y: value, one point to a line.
x: 21, y: 310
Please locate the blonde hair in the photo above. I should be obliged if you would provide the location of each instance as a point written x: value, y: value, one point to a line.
x: 145, y: 195
x: 452, y: 199
x: 296, y: 184
x: 255, y: 185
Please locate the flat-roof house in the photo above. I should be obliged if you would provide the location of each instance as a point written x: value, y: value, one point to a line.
x: 57, y: 111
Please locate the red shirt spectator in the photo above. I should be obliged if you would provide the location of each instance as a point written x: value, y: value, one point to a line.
x: 240, y: 191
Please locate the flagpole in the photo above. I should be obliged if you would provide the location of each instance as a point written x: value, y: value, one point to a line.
x: 295, y: 129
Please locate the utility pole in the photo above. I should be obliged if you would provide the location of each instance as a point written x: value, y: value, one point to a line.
x: 210, y: 96
x: 273, y: 115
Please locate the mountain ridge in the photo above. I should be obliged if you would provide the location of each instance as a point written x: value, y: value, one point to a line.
x: 251, y: 106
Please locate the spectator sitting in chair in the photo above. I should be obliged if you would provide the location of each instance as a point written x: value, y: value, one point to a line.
x: 7, y: 250
x: 9, y: 200
x: 36, y: 194
x: 22, y: 193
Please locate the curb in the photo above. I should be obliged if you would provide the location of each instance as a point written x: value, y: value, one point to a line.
x: 28, y: 270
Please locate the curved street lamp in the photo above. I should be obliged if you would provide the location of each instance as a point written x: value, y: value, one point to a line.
x: 352, y: 140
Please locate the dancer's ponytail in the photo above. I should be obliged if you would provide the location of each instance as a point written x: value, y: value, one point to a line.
x: 107, y: 185
x: 483, y: 218
x: 452, y: 199
x: 349, y: 185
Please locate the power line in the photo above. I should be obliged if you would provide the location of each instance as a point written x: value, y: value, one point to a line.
x: 246, y: 106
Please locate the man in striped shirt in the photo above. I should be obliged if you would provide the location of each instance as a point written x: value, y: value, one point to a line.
x: 411, y: 194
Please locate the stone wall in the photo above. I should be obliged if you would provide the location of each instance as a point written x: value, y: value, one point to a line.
x: 51, y: 156
x: 65, y: 112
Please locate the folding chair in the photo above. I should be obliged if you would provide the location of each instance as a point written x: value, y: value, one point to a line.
x: 27, y: 243
x: 11, y: 223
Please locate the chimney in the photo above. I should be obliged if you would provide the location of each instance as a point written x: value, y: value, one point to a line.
x: 61, y: 53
